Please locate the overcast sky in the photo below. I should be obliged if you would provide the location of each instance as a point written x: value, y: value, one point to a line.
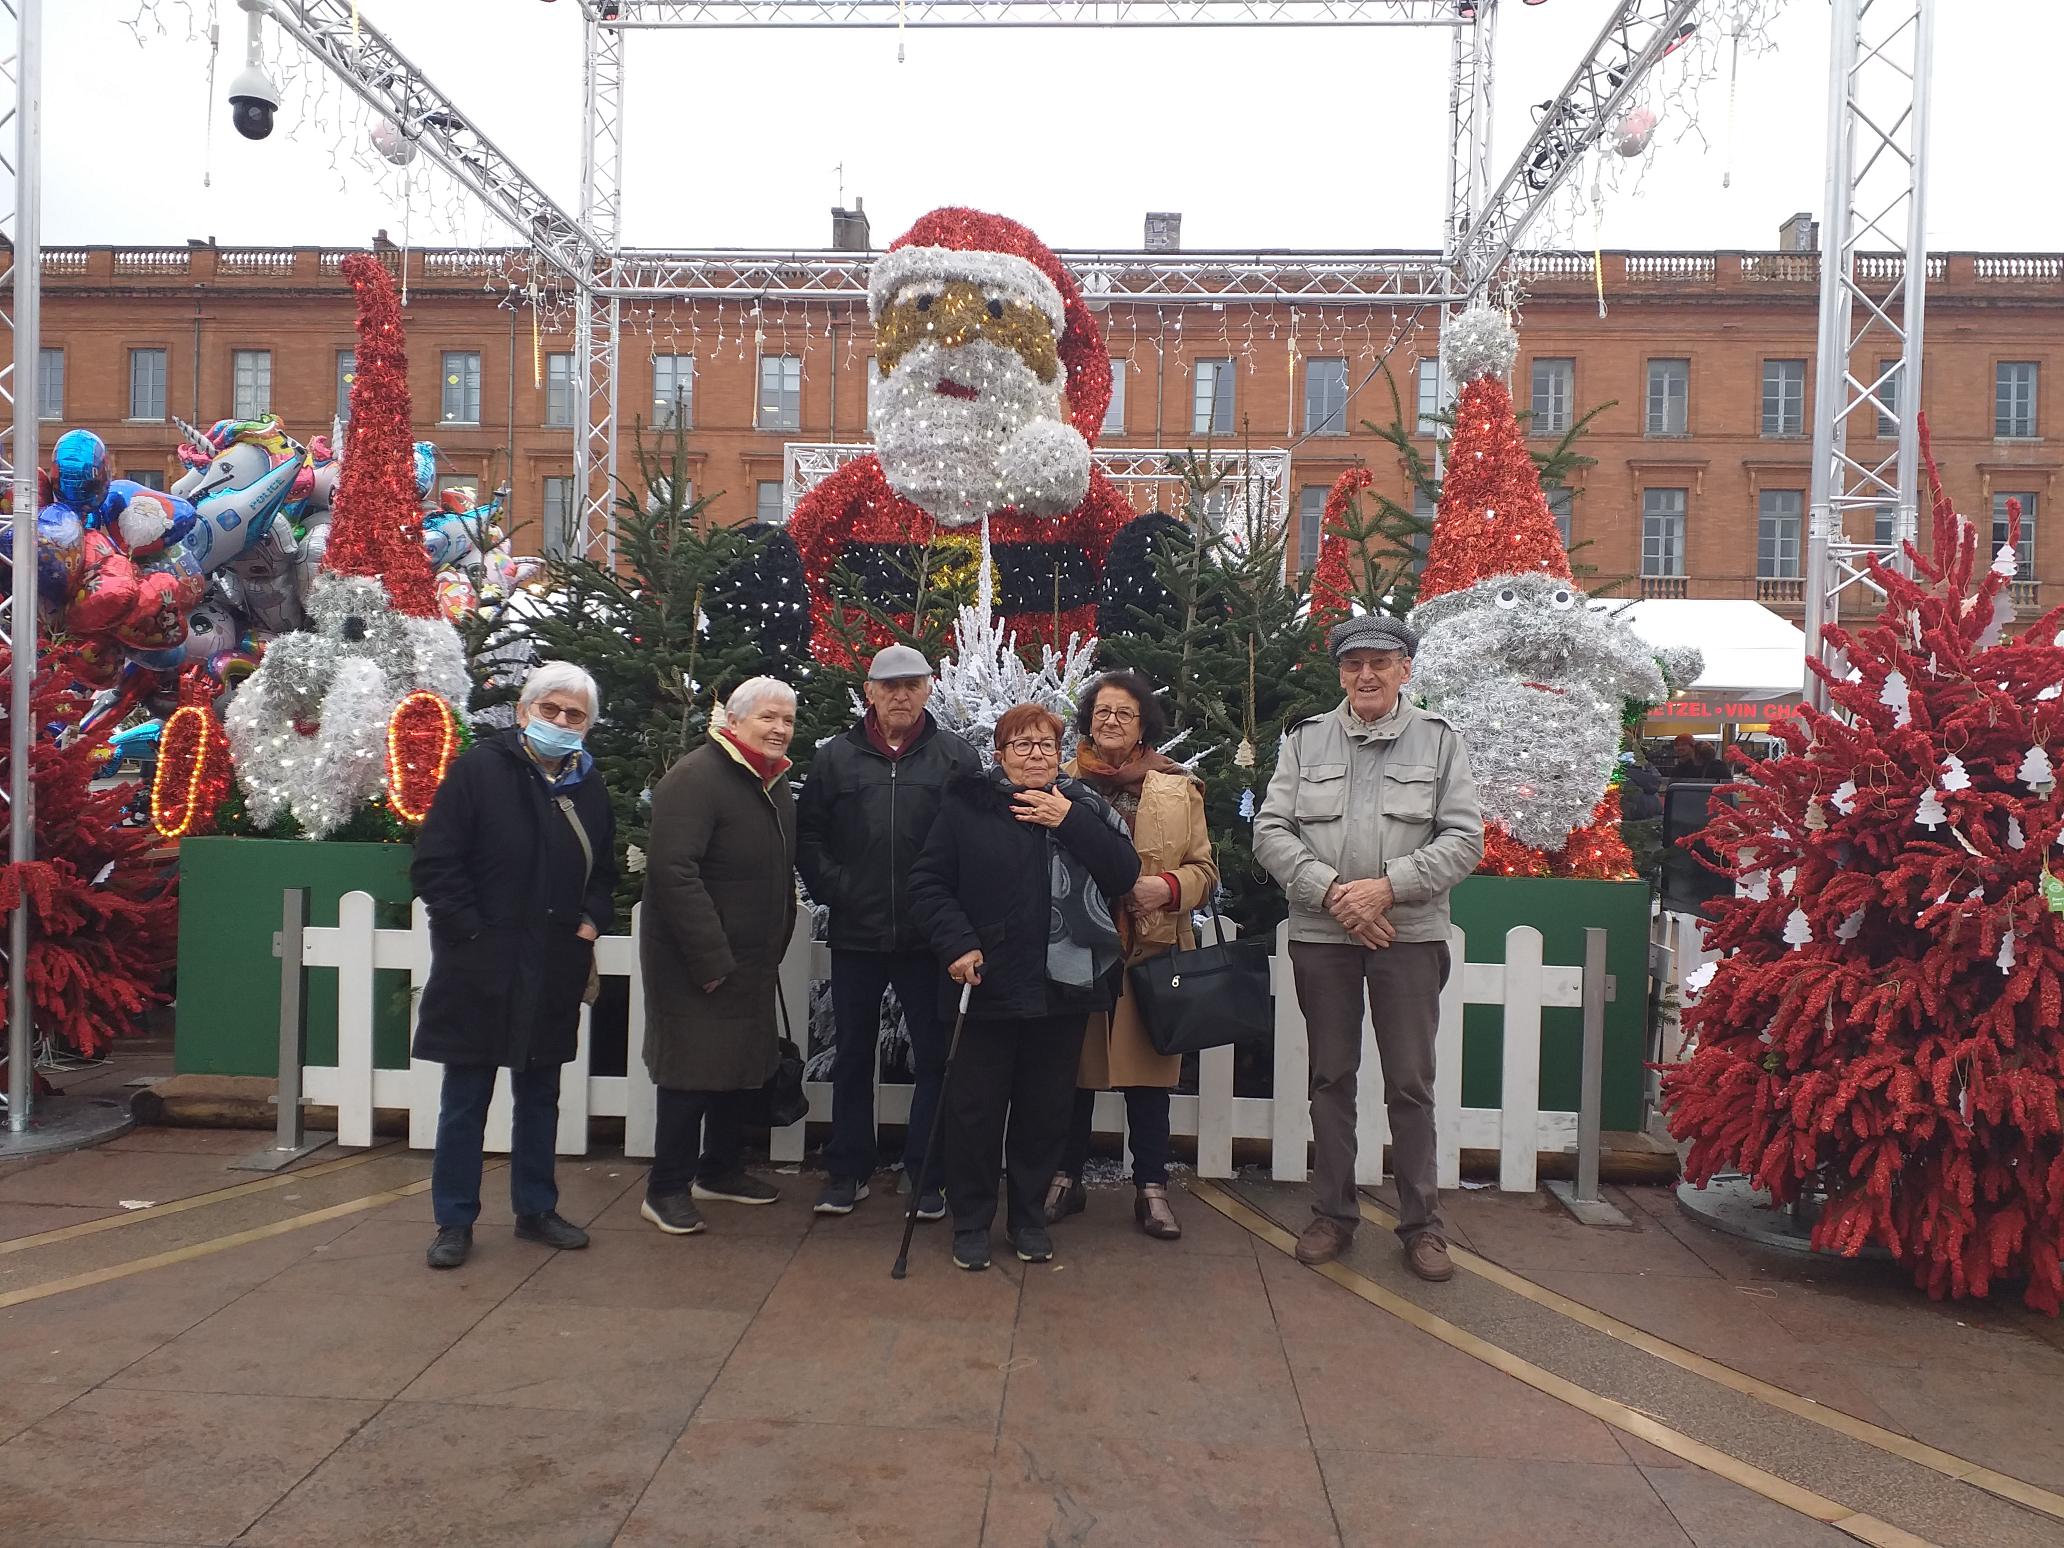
x: 1261, y: 138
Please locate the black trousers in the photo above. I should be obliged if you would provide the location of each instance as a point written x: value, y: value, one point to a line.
x: 1016, y: 1072
x: 701, y: 1134
x: 1146, y: 1116
x: 858, y: 979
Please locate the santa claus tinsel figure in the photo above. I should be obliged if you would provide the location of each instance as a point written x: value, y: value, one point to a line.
x: 1885, y: 1030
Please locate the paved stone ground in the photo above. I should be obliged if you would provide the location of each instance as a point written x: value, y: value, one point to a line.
x: 768, y: 1383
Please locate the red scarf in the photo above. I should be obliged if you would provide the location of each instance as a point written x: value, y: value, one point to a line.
x: 1130, y: 775
x: 879, y: 739
x: 768, y: 769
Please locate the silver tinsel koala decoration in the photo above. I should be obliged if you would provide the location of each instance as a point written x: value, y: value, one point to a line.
x: 1536, y: 681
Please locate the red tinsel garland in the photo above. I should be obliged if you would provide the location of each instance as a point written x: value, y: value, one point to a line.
x: 193, y: 774
x: 1595, y: 852
x: 1332, y: 588
x: 1905, y: 1058
x: 1493, y: 519
x: 422, y: 736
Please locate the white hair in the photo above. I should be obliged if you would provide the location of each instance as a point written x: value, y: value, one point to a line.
x: 560, y: 677
x: 746, y: 697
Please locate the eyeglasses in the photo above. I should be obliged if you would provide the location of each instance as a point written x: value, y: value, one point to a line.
x: 568, y: 715
x: 1118, y: 716
x: 1025, y: 747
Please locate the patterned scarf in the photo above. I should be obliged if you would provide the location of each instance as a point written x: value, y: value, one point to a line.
x: 1082, y: 938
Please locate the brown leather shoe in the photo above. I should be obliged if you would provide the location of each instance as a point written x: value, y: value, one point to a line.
x: 1065, y: 1196
x: 1150, y: 1208
x: 1324, y: 1240
x: 1427, y: 1256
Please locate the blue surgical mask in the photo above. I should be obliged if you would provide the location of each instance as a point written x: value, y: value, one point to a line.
x: 550, y: 741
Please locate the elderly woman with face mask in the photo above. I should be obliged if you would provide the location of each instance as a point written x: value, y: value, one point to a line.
x: 1016, y: 890
x: 516, y: 864
x: 720, y: 903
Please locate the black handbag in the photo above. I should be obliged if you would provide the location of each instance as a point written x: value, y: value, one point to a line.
x: 781, y: 1102
x: 1208, y: 996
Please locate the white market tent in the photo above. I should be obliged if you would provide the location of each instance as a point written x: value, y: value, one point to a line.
x: 1755, y: 660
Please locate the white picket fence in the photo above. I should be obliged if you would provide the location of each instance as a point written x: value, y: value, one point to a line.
x: 1518, y: 1130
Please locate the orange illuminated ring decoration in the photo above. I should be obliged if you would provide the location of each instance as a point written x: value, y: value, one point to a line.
x: 422, y: 736
x: 200, y: 758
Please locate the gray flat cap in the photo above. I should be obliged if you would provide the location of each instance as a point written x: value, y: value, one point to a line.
x: 1372, y: 631
x: 894, y: 661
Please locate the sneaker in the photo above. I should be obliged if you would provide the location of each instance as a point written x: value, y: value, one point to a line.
x: 971, y: 1250
x: 1427, y: 1256
x: 840, y: 1195
x: 1032, y: 1243
x: 739, y: 1187
x: 674, y: 1214
x: 553, y: 1229
x: 931, y: 1205
x: 1324, y: 1240
x: 451, y: 1246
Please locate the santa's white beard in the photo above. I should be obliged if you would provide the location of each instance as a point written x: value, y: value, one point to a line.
x: 943, y: 452
x: 1541, y: 760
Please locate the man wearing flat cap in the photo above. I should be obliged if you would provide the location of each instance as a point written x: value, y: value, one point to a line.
x: 1370, y: 821
x: 860, y: 823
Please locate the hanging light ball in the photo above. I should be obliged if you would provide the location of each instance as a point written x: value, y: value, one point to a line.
x: 394, y: 146
x: 1637, y: 126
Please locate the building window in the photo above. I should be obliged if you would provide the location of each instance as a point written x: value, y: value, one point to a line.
x: 781, y: 392
x: 558, y: 517
x: 1777, y: 533
x: 1882, y: 519
x: 1211, y: 409
x: 251, y: 383
x: 1554, y: 388
x: 1562, y: 502
x: 150, y: 478
x: 1424, y: 509
x: 1114, y: 414
x: 673, y: 392
x: 1662, y: 532
x: 146, y: 384
x: 1887, y: 397
x: 347, y: 373
x: 2013, y: 397
x: 2024, y: 551
x: 461, y: 378
x: 767, y: 501
x: 1325, y: 396
x: 1669, y: 397
x: 50, y: 372
x: 1784, y: 397
x: 1311, y: 511
x: 559, y: 393
x: 1429, y: 397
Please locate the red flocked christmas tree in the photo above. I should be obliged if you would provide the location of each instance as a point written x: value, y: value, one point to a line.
x: 102, y: 915
x: 1884, y: 1028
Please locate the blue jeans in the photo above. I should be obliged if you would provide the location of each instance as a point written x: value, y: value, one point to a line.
x: 858, y: 979
x: 462, y: 1121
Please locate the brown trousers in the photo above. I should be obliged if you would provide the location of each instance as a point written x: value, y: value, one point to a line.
x: 1403, y: 982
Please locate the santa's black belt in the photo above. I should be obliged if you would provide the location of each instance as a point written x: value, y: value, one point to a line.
x: 1030, y: 577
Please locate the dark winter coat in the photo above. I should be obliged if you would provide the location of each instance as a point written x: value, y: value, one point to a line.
x: 500, y: 870
x: 861, y: 821
x: 983, y: 881
x: 720, y: 903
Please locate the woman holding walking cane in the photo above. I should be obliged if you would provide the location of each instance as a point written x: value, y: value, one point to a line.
x: 1015, y: 890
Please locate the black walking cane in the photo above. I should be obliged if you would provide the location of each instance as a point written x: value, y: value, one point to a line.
x: 917, y: 1183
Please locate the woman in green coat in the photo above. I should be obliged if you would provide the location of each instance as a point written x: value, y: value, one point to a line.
x: 720, y: 903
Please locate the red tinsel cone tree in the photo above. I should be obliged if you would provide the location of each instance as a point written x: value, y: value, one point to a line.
x: 102, y: 916
x: 1884, y: 1027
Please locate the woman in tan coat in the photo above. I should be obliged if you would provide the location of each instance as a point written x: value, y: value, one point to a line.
x: 1120, y: 721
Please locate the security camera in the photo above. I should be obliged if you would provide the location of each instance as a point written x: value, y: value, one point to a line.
x: 253, y: 101
x: 253, y: 98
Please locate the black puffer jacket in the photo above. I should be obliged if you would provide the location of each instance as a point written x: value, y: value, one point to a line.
x: 861, y: 822
x: 983, y: 883
x: 499, y: 868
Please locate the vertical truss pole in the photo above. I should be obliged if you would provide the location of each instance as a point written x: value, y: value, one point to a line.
x: 1469, y: 165
x: 1878, y: 89
x: 21, y: 387
x: 598, y: 322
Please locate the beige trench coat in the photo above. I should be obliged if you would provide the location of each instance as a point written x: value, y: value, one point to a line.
x: 1170, y: 836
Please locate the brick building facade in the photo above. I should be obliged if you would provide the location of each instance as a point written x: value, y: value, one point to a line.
x: 1698, y: 487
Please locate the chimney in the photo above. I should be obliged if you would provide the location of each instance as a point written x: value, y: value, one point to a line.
x: 1800, y: 234
x: 1164, y: 231
x: 849, y: 229
x: 381, y: 243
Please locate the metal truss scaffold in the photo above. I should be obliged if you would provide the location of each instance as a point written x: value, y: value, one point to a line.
x: 1879, y: 65
x: 657, y: 15
x: 598, y: 315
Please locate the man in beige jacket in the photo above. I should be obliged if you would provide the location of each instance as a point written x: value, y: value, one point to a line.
x: 1370, y: 821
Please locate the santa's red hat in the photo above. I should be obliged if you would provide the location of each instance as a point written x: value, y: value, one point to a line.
x: 998, y: 254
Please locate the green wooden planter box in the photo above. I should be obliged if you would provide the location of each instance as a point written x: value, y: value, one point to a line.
x: 229, y: 909
x: 1484, y: 908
